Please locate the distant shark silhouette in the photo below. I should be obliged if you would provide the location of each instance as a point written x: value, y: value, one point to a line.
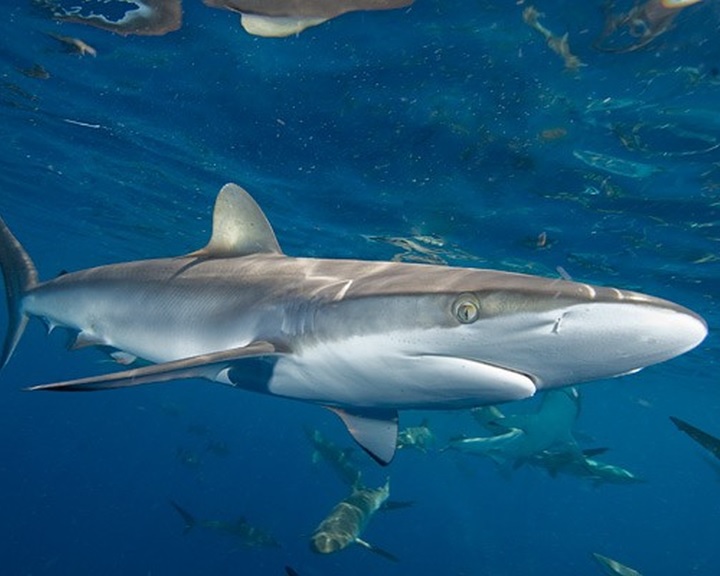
x: 543, y: 439
x: 341, y: 460
x: 522, y: 437
x: 240, y: 529
x: 613, y: 567
x: 584, y: 465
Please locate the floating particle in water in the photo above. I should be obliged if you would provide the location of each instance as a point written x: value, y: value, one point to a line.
x: 615, y: 165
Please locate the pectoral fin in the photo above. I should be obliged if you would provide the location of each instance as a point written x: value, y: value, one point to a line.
x: 208, y: 366
x: 374, y: 429
x: 379, y: 551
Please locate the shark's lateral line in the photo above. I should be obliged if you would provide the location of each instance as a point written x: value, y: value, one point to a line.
x: 363, y: 338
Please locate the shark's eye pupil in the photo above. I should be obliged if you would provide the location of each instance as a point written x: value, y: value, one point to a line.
x: 466, y: 309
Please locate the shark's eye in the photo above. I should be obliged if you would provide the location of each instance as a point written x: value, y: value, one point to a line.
x: 466, y: 309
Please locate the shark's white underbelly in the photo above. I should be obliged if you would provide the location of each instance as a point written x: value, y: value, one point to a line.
x: 378, y: 371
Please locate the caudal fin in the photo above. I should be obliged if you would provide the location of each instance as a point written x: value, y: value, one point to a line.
x: 20, y: 276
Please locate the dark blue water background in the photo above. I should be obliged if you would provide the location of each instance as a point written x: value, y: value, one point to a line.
x: 413, y: 123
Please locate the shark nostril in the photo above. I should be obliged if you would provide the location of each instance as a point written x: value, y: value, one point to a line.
x: 557, y: 323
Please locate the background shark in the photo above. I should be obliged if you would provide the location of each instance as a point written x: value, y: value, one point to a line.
x: 240, y: 529
x: 348, y: 520
x: 613, y: 567
x: 339, y: 459
x: 708, y: 441
x: 543, y: 439
x: 365, y: 339
x: 522, y: 437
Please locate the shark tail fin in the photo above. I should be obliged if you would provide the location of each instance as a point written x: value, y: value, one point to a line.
x: 188, y: 518
x: 20, y: 276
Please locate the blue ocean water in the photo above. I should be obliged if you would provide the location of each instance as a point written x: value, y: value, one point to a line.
x: 446, y: 132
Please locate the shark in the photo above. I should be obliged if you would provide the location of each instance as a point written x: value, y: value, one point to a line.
x: 348, y: 519
x: 341, y: 460
x: 365, y: 339
x: 240, y: 529
x: 520, y: 438
x: 708, y: 441
x: 581, y: 465
x: 419, y: 437
x: 613, y: 567
x: 543, y: 439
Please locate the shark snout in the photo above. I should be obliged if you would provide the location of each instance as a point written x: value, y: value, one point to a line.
x: 591, y: 339
x: 622, y: 337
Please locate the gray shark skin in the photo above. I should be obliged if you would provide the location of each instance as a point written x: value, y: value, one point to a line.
x: 365, y: 339
x: 348, y: 519
x: 613, y: 567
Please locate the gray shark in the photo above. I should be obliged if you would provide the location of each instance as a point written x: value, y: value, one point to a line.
x: 521, y: 438
x: 347, y: 521
x: 278, y: 18
x: 613, y: 567
x: 543, y: 439
x: 339, y: 459
x: 419, y: 437
x: 708, y: 441
x: 240, y: 529
x: 365, y: 339
x: 581, y: 465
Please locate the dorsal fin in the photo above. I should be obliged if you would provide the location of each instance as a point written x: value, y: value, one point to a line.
x: 239, y: 227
